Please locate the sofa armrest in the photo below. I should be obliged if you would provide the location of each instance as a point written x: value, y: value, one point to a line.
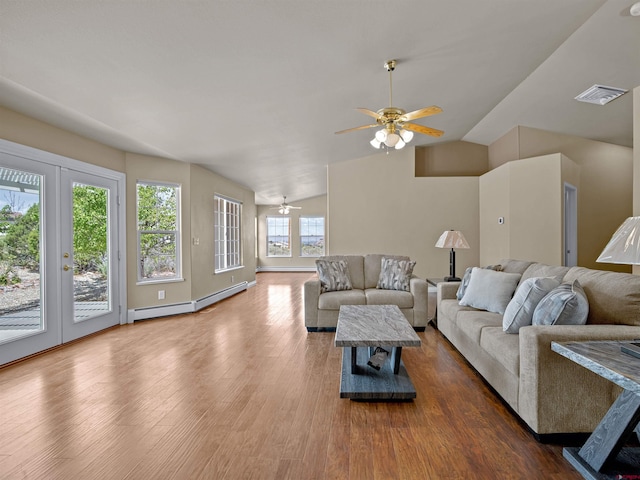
x: 311, y: 296
x: 420, y: 291
x: 447, y: 290
x: 554, y: 391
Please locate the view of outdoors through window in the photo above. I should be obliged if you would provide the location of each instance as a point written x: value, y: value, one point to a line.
x: 278, y: 237
x: 158, y: 231
x: 312, y: 236
x: 19, y: 253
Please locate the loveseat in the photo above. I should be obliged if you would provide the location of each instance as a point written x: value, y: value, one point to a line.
x: 321, y: 308
x: 551, y: 394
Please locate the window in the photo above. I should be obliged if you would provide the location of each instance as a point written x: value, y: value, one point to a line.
x: 278, y: 237
x: 227, y: 239
x: 158, y: 231
x: 311, y: 236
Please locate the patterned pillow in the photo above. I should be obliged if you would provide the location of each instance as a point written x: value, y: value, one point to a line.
x: 467, y: 276
x: 395, y: 274
x: 519, y: 312
x: 334, y: 275
x: 566, y: 304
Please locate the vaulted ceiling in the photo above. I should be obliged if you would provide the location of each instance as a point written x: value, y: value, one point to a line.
x: 254, y: 90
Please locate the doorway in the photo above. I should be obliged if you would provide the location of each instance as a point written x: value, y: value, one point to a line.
x: 61, y: 238
x: 570, y: 225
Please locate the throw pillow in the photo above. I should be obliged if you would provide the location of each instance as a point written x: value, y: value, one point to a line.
x: 566, y: 304
x: 519, y: 311
x: 395, y: 274
x: 334, y: 275
x: 490, y: 290
x: 467, y: 276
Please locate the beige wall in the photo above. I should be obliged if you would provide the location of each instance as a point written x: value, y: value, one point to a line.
x: 528, y: 195
x: 204, y: 185
x: 451, y: 158
x: 24, y: 130
x: 606, y: 188
x: 377, y: 205
x: 315, y: 206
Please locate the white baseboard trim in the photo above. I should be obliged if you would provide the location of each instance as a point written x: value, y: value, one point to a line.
x: 285, y: 269
x: 186, y: 307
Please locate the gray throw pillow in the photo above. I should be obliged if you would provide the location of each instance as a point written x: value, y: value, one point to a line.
x: 566, y: 304
x: 490, y: 290
x: 467, y: 276
x: 395, y: 274
x: 334, y: 275
x: 519, y: 311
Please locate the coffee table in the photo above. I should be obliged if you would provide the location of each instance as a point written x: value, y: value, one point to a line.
x: 373, y: 326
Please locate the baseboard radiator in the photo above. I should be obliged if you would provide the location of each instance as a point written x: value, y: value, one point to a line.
x: 185, y: 307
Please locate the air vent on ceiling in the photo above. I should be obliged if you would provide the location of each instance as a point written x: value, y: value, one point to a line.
x: 600, y: 94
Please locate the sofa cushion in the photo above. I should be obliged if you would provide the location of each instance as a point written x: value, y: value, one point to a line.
x: 542, y: 270
x: 490, y: 290
x: 372, y: 267
x: 566, y: 304
x: 519, y: 312
x: 334, y: 275
x: 614, y: 298
x: 356, y: 268
x: 472, y: 322
x: 503, y: 347
x: 395, y: 274
x: 333, y: 300
x: 377, y: 296
x: 514, y: 266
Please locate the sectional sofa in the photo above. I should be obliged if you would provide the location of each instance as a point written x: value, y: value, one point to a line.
x: 551, y: 394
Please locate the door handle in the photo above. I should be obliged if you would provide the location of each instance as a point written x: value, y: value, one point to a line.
x: 66, y: 268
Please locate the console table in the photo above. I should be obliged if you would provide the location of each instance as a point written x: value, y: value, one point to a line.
x: 604, y: 456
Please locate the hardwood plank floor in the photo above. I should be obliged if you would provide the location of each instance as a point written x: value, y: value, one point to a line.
x: 240, y: 390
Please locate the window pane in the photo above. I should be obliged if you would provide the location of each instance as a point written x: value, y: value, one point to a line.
x: 311, y: 236
x: 278, y: 237
x: 227, y: 235
x: 157, y: 255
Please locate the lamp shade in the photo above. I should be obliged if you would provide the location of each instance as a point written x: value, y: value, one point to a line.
x: 624, y: 246
x: 452, y: 239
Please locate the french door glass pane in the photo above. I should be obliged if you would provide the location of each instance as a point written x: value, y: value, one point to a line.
x: 90, y: 251
x: 20, y: 258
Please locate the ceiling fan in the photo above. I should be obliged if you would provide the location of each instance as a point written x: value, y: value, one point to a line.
x: 284, y: 207
x: 396, y: 131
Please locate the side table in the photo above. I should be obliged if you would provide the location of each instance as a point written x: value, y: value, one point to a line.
x: 434, y: 282
x: 604, y: 456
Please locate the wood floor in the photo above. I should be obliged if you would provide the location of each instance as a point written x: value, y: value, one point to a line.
x: 239, y: 391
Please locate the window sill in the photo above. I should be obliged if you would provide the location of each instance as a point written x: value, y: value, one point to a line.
x: 217, y: 272
x: 156, y: 281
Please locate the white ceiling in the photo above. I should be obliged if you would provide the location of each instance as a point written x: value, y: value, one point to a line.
x: 254, y: 90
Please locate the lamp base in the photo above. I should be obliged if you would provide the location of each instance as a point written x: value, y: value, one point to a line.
x: 451, y: 279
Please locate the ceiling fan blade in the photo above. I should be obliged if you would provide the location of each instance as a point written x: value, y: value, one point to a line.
x: 366, y: 111
x: 424, y: 130
x: 357, y: 128
x: 423, y: 112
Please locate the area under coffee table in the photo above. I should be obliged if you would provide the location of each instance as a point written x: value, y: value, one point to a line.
x: 371, y: 326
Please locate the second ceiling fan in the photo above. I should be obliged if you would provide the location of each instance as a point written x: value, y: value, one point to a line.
x: 396, y: 131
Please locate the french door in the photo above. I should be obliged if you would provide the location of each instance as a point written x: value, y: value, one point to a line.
x: 61, y: 234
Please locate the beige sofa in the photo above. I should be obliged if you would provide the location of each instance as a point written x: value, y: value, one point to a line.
x: 552, y: 394
x: 321, y: 309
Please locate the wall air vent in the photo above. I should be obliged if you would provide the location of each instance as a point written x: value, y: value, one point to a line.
x: 600, y: 94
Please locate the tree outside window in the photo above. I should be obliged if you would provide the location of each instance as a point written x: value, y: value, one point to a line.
x: 278, y: 236
x: 158, y: 231
x: 311, y: 236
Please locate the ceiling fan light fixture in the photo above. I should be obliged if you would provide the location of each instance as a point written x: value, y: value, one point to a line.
x: 400, y: 144
x: 406, y: 135
x: 392, y: 139
x: 375, y: 143
x: 381, y: 135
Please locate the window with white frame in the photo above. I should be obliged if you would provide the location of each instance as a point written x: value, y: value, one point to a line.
x: 279, y: 236
x: 227, y: 234
x: 311, y: 236
x: 158, y: 213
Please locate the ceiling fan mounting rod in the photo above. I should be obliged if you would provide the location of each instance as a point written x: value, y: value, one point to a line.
x: 390, y: 66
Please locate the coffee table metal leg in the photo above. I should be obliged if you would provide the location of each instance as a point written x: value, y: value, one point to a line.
x: 354, y: 357
x: 396, y: 352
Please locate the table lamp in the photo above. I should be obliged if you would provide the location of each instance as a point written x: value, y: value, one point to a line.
x: 452, y: 239
x: 624, y: 246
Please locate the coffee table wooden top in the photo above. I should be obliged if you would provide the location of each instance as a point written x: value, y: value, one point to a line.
x: 374, y: 325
